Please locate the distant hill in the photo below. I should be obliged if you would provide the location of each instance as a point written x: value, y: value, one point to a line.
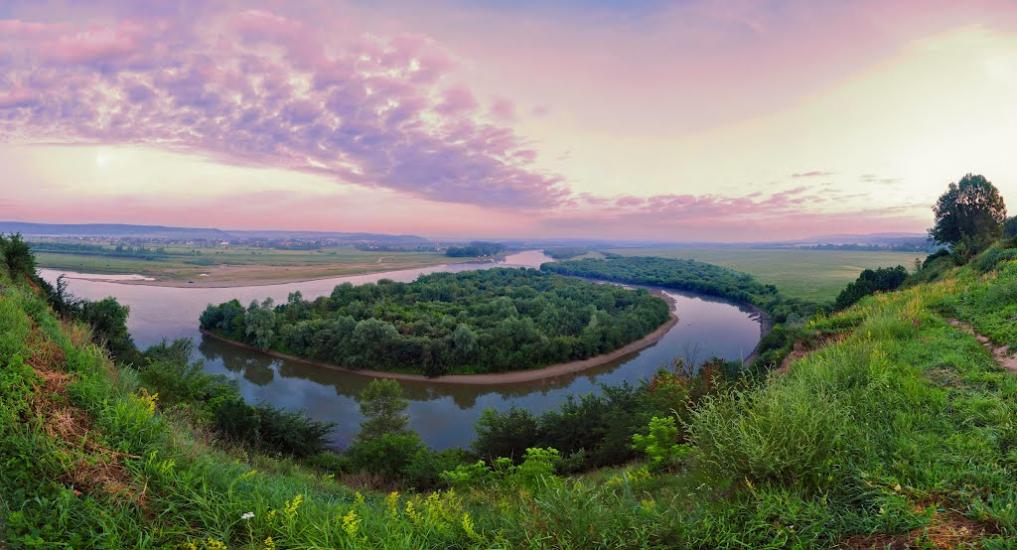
x: 197, y: 233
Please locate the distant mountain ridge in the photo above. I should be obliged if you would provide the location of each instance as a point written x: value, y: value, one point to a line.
x: 30, y: 229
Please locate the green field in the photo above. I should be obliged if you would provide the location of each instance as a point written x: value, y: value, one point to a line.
x: 817, y: 275
x: 242, y: 265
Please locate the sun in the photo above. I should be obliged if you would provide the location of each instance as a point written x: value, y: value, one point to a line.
x: 103, y: 159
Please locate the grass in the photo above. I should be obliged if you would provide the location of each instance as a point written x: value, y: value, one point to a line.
x: 899, y: 432
x: 243, y: 265
x: 814, y: 275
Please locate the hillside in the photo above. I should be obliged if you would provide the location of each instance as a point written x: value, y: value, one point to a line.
x: 891, y: 425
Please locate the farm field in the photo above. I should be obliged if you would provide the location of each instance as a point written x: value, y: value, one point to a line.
x: 817, y: 275
x: 211, y: 267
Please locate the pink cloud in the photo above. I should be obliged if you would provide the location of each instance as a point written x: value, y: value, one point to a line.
x: 260, y: 88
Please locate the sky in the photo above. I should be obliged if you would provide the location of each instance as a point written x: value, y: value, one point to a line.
x: 688, y: 120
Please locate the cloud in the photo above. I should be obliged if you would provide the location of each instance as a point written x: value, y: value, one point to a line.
x: 811, y: 174
x: 789, y: 213
x: 264, y: 89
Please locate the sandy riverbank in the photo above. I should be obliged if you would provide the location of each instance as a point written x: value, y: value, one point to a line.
x: 495, y: 378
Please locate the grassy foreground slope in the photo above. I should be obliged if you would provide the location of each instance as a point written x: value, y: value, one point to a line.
x: 898, y: 429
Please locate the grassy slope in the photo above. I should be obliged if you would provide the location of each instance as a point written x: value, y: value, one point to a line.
x: 900, y: 428
x: 244, y: 264
x: 816, y: 275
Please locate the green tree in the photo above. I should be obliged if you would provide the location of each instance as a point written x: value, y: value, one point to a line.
x: 109, y: 323
x: 260, y: 328
x: 384, y: 409
x: 969, y: 215
x: 17, y: 256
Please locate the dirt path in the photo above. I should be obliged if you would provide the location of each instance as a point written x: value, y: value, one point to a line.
x: 496, y: 378
x: 1000, y: 353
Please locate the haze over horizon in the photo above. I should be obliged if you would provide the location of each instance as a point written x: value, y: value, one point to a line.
x: 682, y: 121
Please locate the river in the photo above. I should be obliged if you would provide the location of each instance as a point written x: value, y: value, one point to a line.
x: 443, y: 414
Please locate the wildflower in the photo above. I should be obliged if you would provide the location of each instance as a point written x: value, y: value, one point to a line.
x: 271, y: 515
x: 269, y: 544
x: 215, y: 544
x: 468, y: 526
x: 359, y: 498
x: 412, y: 513
x: 351, y: 523
x: 293, y: 505
x: 392, y: 503
x: 247, y: 516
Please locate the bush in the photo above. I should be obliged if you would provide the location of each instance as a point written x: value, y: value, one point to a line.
x: 506, y: 434
x: 108, y: 320
x: 388, y: 455
x: 425, y: 468
x: 883, y: 279
x: 17, y: 257
x: 291, y: 433
x: 788, y: 434
x: 661, y: 444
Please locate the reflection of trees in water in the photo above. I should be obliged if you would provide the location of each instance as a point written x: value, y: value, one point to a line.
x: 255, y: 367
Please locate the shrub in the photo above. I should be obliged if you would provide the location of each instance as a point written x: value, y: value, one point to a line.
x: 787, y: 433
x: 425, y: 468
x: 290, y: 432
x: 883, y: 279
x: 506, y: 434
x: 388, y: 455
x: 661, y: 444
x: 17, y: 256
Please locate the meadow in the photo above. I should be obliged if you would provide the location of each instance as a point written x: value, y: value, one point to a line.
x: 242, y: 265
x: 814, y: 275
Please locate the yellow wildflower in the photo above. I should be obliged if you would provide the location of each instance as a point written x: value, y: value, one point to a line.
x: 293, y: 505
x: 269, y: 544
x: 351, y: 523
x: 392, y: 503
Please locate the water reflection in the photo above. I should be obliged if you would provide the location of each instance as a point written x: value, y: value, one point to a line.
x: 444, y: 415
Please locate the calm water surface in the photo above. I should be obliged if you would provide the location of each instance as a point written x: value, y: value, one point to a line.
x: 443, y: 414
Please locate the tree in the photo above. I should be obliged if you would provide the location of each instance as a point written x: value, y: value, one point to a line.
x: 1010, y: 227
x: 17, y: 256
x: 260, y: 328
x: 871, y: 281
x: 109, y: 322
x: 384, y: 409
x: 969, y: 215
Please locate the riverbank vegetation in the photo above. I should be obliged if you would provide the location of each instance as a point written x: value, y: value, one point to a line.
x: 786, y: 314
x: 475, y: 249
x: 807, y: 274
x: 492, y: 320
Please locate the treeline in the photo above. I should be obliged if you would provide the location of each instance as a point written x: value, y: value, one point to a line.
x: 871, y: 281
x: 786, y: 314
x: 476, y: 249
x: 566, y: 252
x: 687, y: 275
x: 475, y: 322
x: 139, y: 252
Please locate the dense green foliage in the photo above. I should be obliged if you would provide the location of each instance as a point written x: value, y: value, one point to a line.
x: 17, y: 256
x: 1010, y: 227
x: 596, y: 430
x: 870, y: 281
x: 480, y: 321
x: 969, y: 215
x: 566, y: 252
x: 475, y: 249
x: 687, y: 275
x: 692, y: 275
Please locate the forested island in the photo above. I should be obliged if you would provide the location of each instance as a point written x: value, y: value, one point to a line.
x: 486, y: 321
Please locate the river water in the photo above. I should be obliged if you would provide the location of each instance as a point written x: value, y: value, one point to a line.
x: 443, y: 414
